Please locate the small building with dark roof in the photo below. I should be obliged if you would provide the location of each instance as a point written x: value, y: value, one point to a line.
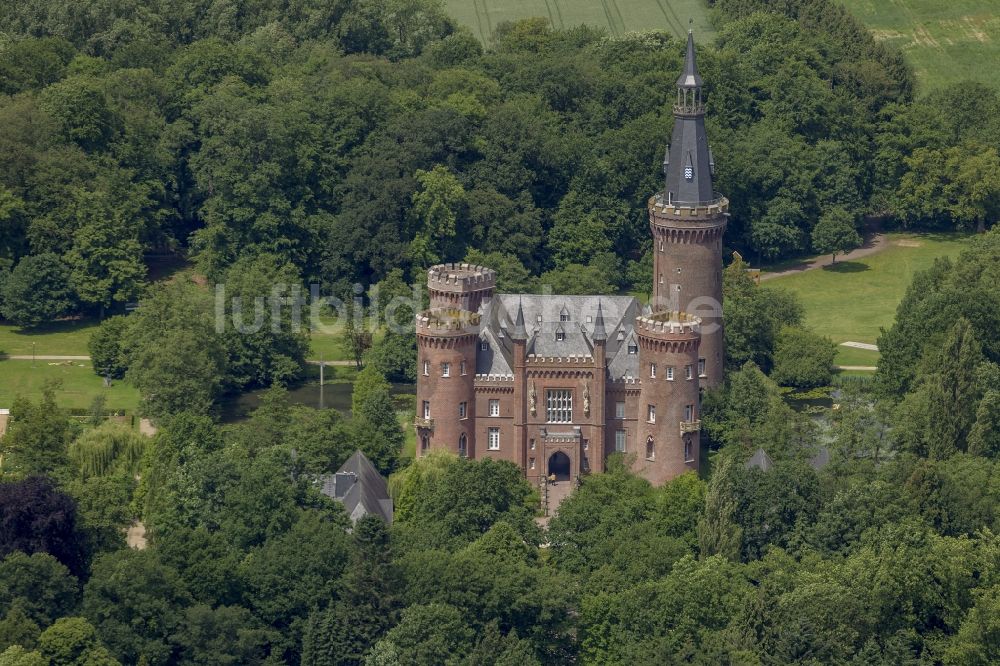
x: 360, y: 488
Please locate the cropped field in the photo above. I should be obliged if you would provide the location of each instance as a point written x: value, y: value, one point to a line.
x: 615, y: 16
x: 852, y: 300
x: 945, y: 40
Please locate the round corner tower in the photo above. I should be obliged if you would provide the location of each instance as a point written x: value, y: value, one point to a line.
x: 446, y: 371
x: 461, y: 286
x: 668, y: 442
x: 687, y: 220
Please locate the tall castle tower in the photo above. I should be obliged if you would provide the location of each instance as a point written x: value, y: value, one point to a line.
x: 667, y: 438
x: 447, y: 335
x: 687, y: 220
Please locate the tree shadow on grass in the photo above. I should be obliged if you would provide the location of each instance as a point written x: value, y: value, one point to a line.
x: 847, y: 267
x: 58, y: 326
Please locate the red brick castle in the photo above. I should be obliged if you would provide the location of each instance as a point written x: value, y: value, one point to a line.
x: 556, y: 384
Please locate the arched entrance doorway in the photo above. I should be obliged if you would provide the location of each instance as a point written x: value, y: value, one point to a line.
x: 559, y: 466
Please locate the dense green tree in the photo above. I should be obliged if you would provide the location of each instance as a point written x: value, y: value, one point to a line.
x: 364, y: 608
x: 106, y: 347
x: 427, y: 634
x: 38, y: 585
x: 37, y: 290
x: 835, y: 232
x: 38, y: 436
x: 135, y: 603
x: 72, y: 641
x: 395, y: 356
x: 802, y: 358
x: 223, y: 635
x: 376, y: 430
x: 268, y: 346
x: 16, y: 655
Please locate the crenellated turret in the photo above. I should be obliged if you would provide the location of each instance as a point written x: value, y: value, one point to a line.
x: 667, y: 435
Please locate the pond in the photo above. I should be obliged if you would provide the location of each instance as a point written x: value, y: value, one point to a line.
x: 329, y: 396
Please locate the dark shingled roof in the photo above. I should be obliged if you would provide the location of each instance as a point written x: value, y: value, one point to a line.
x: 688, y: 153
x: 361, y: 489
x: 761, y: 461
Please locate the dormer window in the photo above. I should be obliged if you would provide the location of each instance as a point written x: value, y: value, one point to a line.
x: 560, y: 335
x: 633, y: 349
x: 564, y: 315
x: 538, y: 319
x: 485, y: 346
x: 689, y: 173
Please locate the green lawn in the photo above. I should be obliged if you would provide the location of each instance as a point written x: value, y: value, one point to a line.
x: 853, y: 299
x: 79, y: 384
x: 616, y: 16
x: 64, y: 338
x: 944, y: 40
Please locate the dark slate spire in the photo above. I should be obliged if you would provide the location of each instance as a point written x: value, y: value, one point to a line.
x: 520, y: 334
x: 688, y: 165
x: 599, y: 334
x: 689, y: 78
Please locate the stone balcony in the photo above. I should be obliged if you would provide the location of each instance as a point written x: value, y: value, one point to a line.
x: 427, y: 424
x: 690, y: 426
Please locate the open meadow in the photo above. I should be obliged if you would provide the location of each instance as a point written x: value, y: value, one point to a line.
x: 615, y: 16
x: 945, y: 40
x: 852, y: 300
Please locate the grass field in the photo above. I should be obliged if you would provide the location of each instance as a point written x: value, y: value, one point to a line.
x: 63, y: 338
x: 615, y: 16
x: 944, y: 40
x: 852, y: 300
x: 79, y: 384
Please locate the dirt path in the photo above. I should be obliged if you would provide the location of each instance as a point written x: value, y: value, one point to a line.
x: 875, y: 241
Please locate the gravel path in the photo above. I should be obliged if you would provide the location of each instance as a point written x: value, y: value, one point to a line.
x: 874, y: 242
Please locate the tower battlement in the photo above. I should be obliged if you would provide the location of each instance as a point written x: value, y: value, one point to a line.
x: 445, y: 321
x: 461, y: 277
x: 668, y: 323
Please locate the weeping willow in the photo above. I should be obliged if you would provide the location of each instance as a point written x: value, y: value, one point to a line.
x: 111, y: 446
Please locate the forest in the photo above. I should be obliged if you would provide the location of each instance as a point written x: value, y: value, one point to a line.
x: 359, y: 141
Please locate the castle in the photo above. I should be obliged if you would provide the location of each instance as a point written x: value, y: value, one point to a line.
x: 555, y: 384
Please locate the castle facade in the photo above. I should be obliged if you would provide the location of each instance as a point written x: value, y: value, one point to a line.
x: 556, y: 384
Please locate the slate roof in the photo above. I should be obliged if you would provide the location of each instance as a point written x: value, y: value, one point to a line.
x: 359, y: 486
x: 761, y: 461
x: 689, y: 145
x: 544, y: 316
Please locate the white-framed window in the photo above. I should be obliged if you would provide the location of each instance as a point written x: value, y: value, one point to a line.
x: 484, y: 346
x: 446, y: 369
x: 652, y: 370
x: 670, y: 373
x: 651, y: 413
x: 538, y: 319
x: 688, y: 173
x: 461, y: 368
x: 427, y: 368
x: 559, y: 406
x: 531, y: 463
x: 463, y: 445
x: 687, y: 450
x: 661, y: 246
x: 620, y: 409
x: 531, y: 444
x: 650, y: 449
x: 701, y: 367
x: 502, y: 332
x: 633, y: 349
x: 688, y: 372
x: 689, y: 412
x: 463, y: 410
x: 493, y: 439
x: 494, y: 407
x: 620, y: 441
x: 560, y: 335
x: 427, y: 409
x: 563, y: 316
